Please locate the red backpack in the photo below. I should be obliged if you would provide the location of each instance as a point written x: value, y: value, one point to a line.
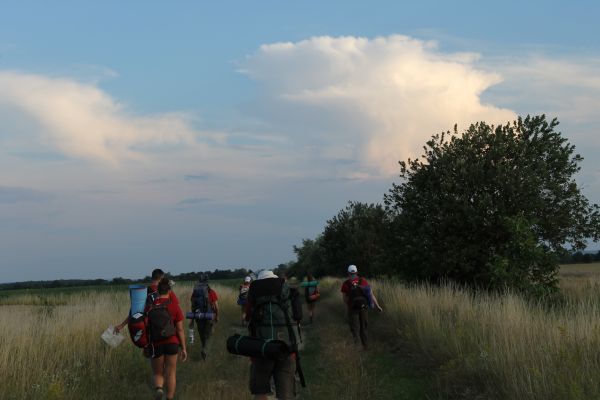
x: 138, y: 330
x: 138, y: 323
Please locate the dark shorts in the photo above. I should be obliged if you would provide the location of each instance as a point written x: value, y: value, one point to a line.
x: 283, y: 373
x: 160, y: 350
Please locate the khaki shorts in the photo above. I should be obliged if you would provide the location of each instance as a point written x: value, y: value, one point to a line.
x: 283, y: 373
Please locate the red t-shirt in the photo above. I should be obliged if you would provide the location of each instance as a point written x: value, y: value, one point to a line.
x: 176, y: 314
x: 154, y: 288
x: 346, y: 286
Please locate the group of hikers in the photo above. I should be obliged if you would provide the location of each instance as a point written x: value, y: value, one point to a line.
x: 271, y: 308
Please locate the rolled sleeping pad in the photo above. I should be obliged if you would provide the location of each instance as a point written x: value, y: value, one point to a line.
x: 257, y: 348
x: 199, y: 315
x: 367, y: 291
x: 137, y: 295
x: 309, y: 284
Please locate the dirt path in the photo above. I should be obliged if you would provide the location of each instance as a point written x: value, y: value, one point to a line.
x: 336, y: 368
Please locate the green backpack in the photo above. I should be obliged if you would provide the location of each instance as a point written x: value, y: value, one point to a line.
x: 271, y: 310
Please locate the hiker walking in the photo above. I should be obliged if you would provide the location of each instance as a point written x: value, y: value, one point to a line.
x: 243, y: 296
x: 165, y: 330
x: 312, y: 295
x: 358, y: 298
x: 205, y: 305
x: 270, y: 314
x: 152, y: 294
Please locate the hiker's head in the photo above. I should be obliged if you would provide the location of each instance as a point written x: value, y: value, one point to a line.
x: 157, y: 274
x: 293, y: 282
x: 266, y: 274
x: 352, y: 270
x: 164, y: 286
x: 309, y: 277
x: 247, y: 279
x: 203, y: 277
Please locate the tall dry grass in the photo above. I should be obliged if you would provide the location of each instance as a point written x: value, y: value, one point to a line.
x: 502, y: 346
x: 50, y: 348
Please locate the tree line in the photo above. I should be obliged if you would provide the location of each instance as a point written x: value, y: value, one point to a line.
x: 580, y: 257
x: 216, y: 274
x: 491, y: 207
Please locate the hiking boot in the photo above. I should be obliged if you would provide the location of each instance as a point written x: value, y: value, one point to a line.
x: 158, y: 395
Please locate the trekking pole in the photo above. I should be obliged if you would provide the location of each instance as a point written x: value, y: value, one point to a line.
x: 299, y: 370
x: 299, y: 331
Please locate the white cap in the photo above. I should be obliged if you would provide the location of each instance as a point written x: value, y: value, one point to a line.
x: 352, y: 269
x: 266, y: 274
x: 247, y: 279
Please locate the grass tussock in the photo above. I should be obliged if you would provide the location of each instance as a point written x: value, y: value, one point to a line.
x: 501, y: 346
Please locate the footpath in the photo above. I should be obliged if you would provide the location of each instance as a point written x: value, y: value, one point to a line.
x: 336, y: 368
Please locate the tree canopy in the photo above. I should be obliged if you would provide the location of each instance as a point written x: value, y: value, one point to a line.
x: 491, y: 207
x: 356, y: 235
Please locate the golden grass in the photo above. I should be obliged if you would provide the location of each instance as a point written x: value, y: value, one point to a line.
x: 51, y: 349
x: 504, y: 346
x: 500, y: 346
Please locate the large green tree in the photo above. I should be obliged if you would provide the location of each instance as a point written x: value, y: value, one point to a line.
x: 357, y: 235
x: 310, y: 258
x: 491, y: 207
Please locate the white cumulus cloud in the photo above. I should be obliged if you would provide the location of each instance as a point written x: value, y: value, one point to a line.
x: 386, y: 95
x: 82, y: 121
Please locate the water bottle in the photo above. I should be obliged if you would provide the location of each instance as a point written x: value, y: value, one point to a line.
x: 191, y: 335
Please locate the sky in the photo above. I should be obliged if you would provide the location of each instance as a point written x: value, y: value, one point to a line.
x: 197, y: 135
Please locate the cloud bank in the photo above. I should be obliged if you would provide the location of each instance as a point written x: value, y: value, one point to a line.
x: 79, y: 120
x: 395, y: 91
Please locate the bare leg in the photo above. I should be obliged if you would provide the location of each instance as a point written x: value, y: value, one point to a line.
x: 171, y: 374
x: 158, y: 378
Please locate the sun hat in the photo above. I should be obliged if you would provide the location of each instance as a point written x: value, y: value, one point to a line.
x: 266, y: 274
x: 352, y: 269
x: 247, y: 279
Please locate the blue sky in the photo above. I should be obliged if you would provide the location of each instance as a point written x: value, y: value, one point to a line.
x: 203, y: 135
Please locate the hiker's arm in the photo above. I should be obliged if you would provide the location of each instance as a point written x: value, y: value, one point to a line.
x: 215, y: 307
x: 121, y: 325
x: 181, y: 336
x: 248, y: 309
x: 377, y: 306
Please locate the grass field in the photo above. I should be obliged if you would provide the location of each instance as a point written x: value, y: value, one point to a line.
x: 51, y: 349
x: 430, y: 343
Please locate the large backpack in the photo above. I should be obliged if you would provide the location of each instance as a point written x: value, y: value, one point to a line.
x: 271, y: 308
x: 138, y: 323
x: 200, y: 300
x: 312, y: 294
x: 160, y: 322
x: 357, y: 296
